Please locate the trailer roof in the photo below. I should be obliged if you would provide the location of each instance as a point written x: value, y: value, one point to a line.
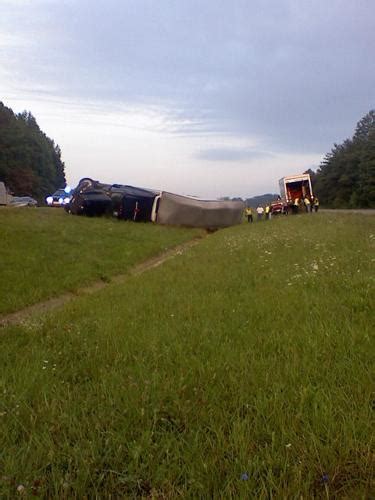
x: 297, y: 177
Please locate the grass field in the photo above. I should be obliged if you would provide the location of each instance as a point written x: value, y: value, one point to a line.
x: 242, y: 368
x: 45, y: 252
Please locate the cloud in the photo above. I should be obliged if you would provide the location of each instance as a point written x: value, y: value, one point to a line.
x: 300, y: 75
x: 231, y: 154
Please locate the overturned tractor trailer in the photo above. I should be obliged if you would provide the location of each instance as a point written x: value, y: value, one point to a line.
x: 94, y: 198
x: 295, y: 187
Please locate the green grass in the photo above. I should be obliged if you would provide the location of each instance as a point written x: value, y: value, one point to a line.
x: 252, y: 354
x: 45, y: 252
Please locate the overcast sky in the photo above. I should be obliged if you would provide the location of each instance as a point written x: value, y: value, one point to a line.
x: 201, y: 97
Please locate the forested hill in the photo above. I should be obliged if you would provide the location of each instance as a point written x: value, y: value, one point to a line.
x: 346, y: 177
x: 262, y: 199
x: 30, y: 162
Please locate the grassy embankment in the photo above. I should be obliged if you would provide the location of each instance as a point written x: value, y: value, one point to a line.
x: 45, y: 252
x: 244, y: 367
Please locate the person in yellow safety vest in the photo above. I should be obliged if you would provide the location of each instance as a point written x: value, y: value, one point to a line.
x: 316, y: 204
x: 249, y: 214
x: 307, y: 204
x: 267, y: 211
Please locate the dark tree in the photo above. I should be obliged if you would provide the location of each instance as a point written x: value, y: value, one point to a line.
x: 346, y: 177
x: 30, y: 162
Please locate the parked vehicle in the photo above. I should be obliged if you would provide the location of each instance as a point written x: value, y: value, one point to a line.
x: 23, y: 201
x: 277, y: 207
x: 58, y: 199
x: 295, y: 187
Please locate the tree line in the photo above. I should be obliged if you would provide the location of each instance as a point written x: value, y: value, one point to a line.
x: 346, y: 176
x: 30, y: 162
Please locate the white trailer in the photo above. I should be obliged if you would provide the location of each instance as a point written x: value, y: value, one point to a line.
x: 177, y: 210
x: 5, y: 197
x: 295, y: 187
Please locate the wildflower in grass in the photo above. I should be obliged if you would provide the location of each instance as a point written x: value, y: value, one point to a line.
x: 21, y: 489
x: 324, y: 479
x: 244, y: 476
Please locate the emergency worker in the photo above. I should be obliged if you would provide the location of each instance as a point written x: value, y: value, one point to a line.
x: 316, y: 204
x: 268, y: 213
x: 260, y: 211
x: 307, y: 204
x: 296, y: 205
x: 249, y: 214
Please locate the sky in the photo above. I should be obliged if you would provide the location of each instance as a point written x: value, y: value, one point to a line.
x: 207, y: 98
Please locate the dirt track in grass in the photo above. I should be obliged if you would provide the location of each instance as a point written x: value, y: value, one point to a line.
x: 56, y: 302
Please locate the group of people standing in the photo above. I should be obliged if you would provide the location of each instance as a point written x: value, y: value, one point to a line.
x: 309, y: 203
x: 260, y: 212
